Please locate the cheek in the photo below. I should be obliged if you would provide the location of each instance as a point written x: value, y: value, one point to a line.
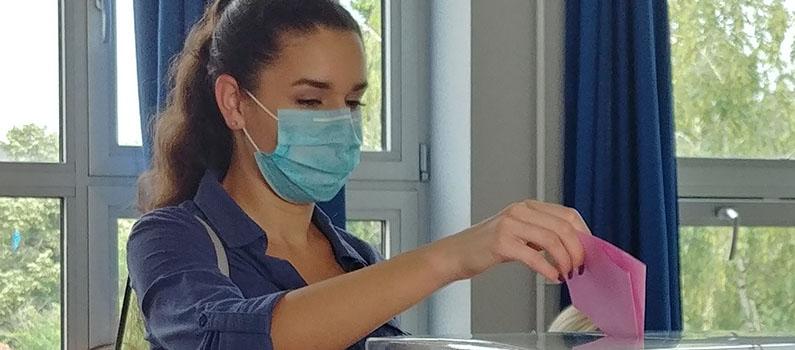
x: 268, y: 138
x: 264, y: 132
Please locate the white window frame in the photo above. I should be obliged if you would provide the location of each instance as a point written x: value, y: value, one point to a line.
x: 736, y: 178
x: 753, y: 212
x: 106, y: 204
x: 67, y: 180
x: 106, y: 156
x: 402, y: 97
x: 387, y: 185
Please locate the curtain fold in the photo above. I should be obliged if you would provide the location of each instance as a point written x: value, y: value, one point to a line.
x: 620, y: 162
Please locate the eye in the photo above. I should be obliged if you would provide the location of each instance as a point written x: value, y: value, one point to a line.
x: 355, y: 105
x: 309, y: 103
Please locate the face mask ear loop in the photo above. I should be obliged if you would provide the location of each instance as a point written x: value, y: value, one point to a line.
x: 261, y: 105
x: 251, y: 140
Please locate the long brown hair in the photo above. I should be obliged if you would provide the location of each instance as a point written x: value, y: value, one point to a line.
x: 235, y: 37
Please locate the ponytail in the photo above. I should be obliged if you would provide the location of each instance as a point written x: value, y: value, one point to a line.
x: 190, y: 123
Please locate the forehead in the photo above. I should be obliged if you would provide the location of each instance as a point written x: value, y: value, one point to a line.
x: 331, y: 55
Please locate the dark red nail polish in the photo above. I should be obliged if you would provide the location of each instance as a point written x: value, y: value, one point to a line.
x: 581, y: 270
x: 571, y: 274
x: 560, y: 278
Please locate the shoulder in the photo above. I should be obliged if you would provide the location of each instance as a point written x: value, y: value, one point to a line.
x: 166, y: 227
x: 367, y: 251
x: 176, y: 219
x: 166, y: 241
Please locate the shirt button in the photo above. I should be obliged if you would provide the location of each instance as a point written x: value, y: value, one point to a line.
x: 202, y: 320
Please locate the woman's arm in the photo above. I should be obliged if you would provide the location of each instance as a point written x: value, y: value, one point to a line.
x: 335, y: 313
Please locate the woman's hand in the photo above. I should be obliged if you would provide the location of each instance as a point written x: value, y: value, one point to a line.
x: 521, y: 232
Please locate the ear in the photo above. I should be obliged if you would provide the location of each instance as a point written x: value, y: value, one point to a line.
x: 228, y: 98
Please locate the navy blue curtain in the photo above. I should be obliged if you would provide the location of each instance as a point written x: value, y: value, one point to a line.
x: 620, y: 165
x: 160, y: 30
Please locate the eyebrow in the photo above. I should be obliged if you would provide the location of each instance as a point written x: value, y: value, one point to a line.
x: 324, y: 85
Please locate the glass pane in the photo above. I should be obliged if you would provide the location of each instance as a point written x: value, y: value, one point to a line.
x: 370, y: 231
x: 124, y: 226
x: 128, y: 130
x: 368, y: 13
x: 30, y: 271
x: 754, y: 292
x: 134, y: 337
x: 30, y: 120
x: 734, y: 78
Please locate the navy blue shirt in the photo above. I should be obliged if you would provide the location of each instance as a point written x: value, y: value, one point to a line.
x: 186, y: 301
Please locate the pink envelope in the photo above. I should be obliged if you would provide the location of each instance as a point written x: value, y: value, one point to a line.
x: 612, y: 289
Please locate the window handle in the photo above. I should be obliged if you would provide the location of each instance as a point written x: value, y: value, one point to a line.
x: 104, y: 8
x: 730, y: 214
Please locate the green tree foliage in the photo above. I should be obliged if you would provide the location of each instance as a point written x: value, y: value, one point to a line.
x: 369, y: 231
x: 752, y: 293
x: 734, y: 97
x: 734, y: 89
x: 30, y: 143
x: 31, y: 274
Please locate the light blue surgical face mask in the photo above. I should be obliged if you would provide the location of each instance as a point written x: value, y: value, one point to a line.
x: 316, y: 152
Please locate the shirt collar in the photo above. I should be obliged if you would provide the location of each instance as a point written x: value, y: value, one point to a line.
x: 343, y: 250
x: 237, y: 229
x: 231, y: 223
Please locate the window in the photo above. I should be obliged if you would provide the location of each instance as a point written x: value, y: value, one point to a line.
x: 123, y: 228
x: 752, y: 292
x: 30, y: 124
x: 734, y: 94
x: 368, y: 14
x: 373, y: 232
x: 70, y: 151
x: 114, y: 112
x: 383, y: 194
x: 33, y: 192
x: 128, y: 112
x: 391, y: 116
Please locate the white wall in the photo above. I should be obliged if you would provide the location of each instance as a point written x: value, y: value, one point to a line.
x: 496, y: 123
x: 449, y: 190
x: 503, y: 157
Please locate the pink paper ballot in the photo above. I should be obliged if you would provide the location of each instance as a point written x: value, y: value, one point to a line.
x: 612, y: 290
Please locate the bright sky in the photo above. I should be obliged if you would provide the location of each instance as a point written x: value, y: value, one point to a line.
x: 30, y: 93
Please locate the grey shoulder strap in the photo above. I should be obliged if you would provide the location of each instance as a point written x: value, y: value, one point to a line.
x: 220, y: 252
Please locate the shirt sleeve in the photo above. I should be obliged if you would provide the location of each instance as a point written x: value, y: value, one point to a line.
x: 185, y: 300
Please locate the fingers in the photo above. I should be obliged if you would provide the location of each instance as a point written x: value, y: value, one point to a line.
x: 566, y: 232
x: 536, y: 236
x: 567, y: 214
x: 536, y: 262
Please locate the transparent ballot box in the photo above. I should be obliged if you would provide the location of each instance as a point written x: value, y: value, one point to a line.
x: 586, y: 341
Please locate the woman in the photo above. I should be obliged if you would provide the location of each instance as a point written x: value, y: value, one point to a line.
x: 263, y: 123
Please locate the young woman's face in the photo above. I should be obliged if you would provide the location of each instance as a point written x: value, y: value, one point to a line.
x: 322, y: 70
